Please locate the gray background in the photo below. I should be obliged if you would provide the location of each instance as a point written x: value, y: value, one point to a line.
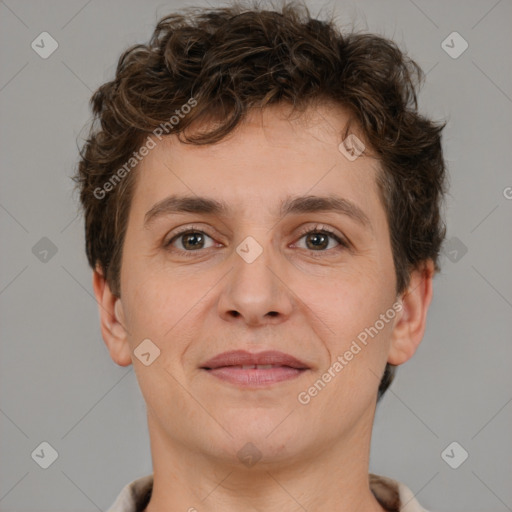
x: 58, y: 383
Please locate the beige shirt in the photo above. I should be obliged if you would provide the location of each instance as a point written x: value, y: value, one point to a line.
x: 392, y: 495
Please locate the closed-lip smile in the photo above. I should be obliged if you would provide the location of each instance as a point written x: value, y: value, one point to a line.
x: 247, y: 369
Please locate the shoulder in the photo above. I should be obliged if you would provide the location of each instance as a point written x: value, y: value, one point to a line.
x: 394, y: 495
x: 391, y: 494
x: 134, y: 496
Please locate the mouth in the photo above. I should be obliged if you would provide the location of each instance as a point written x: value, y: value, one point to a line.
x: 245, y: 369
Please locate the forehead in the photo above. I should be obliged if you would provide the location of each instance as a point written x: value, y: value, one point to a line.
x: 268, y: 158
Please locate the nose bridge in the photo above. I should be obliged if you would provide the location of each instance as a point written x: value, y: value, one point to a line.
x: 255, y: 290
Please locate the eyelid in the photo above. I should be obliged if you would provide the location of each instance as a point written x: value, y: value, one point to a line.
x: 186, y: 229
x: 340, y: 238
x: 316, y: 227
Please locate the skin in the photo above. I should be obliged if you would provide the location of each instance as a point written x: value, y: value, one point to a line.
x: 314, y: 456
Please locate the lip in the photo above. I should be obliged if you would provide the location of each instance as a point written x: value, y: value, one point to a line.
x: 244, y: 358
x: 234, y: 367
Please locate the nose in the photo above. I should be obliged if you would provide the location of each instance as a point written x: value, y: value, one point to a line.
x: 255, y: 292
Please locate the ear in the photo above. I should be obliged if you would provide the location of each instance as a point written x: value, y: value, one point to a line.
x: 410, y: 324
x: 112, y: 320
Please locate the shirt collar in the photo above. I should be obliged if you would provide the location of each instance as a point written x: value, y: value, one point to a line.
x: 392, y: 495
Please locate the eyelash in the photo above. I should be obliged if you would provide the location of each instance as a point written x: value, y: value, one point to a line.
x: 316, y: 229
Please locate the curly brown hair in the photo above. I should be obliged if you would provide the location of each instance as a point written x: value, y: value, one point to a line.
x: 231, y: 59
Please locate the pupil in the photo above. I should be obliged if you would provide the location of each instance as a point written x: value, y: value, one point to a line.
x: 188, y: 237
x: 316, y: 237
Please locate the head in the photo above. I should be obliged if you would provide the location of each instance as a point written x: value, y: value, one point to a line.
x: 250, y: 107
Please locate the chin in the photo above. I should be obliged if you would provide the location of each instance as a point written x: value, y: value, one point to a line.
x: 259, y: 435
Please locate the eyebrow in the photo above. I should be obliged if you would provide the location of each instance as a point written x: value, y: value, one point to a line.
x: 291, y: 205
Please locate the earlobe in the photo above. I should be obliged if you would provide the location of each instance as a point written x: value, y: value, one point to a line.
x: 409, y: 327
x: 112, y: 320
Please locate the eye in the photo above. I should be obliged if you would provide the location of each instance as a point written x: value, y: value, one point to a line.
x: 189, y: 240
x: 318, y: 239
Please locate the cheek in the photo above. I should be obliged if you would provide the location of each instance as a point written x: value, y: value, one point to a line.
x: 154, y: 306
x: 169, y: 310
x: 348, y: 315
x: 347, y: 385
x: 347, y: 302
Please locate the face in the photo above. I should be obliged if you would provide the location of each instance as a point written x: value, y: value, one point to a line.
x: 270, y: 271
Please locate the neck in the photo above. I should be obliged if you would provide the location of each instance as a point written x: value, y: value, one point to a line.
x: 332, y: 477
